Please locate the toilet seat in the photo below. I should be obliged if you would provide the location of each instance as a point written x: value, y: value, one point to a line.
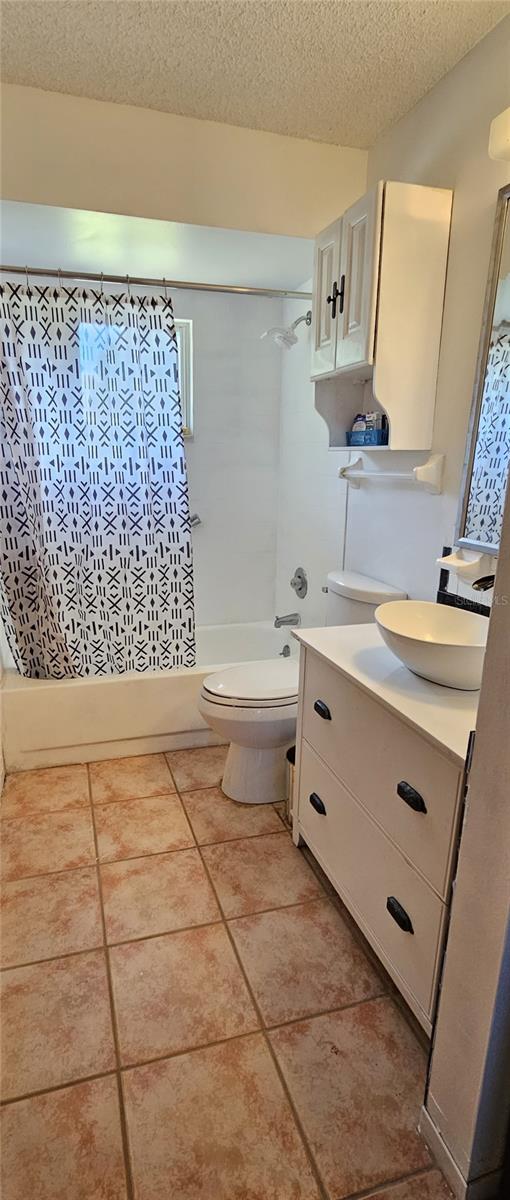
x: 272, y: 683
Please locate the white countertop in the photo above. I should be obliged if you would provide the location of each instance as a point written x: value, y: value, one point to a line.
x: 444, y: 715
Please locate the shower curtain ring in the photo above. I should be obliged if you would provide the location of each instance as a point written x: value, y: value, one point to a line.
x: 128, y: 286
x: 165, y: 293
x: 101, y: 290
x: 60, y: 277
x: 26, y: 277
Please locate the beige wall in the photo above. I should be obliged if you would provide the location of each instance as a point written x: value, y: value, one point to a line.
x: 442, y: 142
x: 87, y: 154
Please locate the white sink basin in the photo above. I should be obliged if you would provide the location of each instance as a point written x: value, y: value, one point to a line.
x: 446, y: 645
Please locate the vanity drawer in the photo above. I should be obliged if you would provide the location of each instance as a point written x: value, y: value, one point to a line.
x: 376, y: 754
x: 367, y: 871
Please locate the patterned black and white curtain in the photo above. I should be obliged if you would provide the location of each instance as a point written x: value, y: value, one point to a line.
x: 96, y: 571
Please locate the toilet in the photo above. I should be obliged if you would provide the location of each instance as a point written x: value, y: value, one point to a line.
x: 254, y: 705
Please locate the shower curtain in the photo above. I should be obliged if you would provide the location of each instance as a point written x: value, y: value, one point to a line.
x: 96, y: 572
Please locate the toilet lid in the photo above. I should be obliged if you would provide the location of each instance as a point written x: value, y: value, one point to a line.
x: 274, y: 679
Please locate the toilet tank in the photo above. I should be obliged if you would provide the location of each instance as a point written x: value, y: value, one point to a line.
x: 353, y: 598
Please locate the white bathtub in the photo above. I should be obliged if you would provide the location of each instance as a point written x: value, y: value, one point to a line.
x: 48, y: 722
x: 241, y: 643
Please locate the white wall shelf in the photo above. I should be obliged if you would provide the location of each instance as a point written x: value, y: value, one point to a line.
x: 429, y: 475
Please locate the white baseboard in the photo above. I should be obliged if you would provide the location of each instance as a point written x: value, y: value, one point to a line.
x: 485, y: 1188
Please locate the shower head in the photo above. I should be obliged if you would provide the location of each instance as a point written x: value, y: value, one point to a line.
x: 280, y: 336
x: 286, y: 337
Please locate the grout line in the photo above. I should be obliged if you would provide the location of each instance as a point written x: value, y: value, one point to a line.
x: 37, y: 962
x: 97, y: 862
x: 283, y: 1083
x: 50, y: 812
x: 139, y: 937
x: 92, y: 862
x: 149, y: 937
x: 132, y: 799
x: 191, y: 1049
x: 251, y: 837
x: 203, y: 787
x: 109, y: 862
x: 382, y: 1189
x: 130, y: 1192
x: 84, y: 804
x: 57, y: 1087
x: 324, y: 1012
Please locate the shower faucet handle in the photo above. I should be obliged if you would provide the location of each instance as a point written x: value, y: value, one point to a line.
x: 299, y: 582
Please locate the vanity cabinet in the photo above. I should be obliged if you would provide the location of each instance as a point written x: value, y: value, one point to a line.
x: 379, y: 805
x: 378, y: 292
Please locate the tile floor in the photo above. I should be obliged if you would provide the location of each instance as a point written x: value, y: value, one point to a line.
x: 186, y: 1013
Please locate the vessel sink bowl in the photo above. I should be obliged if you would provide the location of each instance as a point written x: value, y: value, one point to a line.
x: 446, y: 645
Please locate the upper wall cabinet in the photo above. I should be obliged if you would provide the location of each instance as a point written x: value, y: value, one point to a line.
x: 345, y: 288
x: 379, y: 281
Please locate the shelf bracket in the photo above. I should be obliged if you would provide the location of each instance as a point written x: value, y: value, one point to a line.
x: 429, y: 476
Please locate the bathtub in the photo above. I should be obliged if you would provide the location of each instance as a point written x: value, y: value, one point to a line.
x: 48, y: 722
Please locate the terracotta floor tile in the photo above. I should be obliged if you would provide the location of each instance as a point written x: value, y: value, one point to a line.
x: 49, y: 916
x: 178, y: 991
x: 129, y: 778
x: 215, y: 818
x: 56, y: 1024
x: 430, y: 1186
x: 303, y: 960
x: 257, y: 873
x: 31, y: 792
x: 55, y: 842
x: 357, y: 1079
x: 65, y: 1145
x: 215, y: 1125
x: 156, y: 895
x: 198, y: 768
x: 135, y: 827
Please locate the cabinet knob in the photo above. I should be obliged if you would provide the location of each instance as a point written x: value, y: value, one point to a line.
x: 332, y: 300
x: 399, y: 914
x: 317, y: 804
x: 322, y: 710
x: 411, y: 797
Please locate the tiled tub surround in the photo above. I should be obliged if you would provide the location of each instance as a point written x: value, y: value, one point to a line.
x: 186, y: 1011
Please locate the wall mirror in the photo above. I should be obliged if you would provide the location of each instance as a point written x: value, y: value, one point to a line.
x: 488, y: 442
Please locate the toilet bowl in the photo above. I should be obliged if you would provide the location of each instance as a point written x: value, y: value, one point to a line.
x: 254, y: 707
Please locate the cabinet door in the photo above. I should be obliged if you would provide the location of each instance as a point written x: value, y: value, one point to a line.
x: 359, y: 269
x: 324, y: 324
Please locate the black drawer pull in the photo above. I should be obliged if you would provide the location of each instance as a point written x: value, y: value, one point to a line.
x: 318, y: 804
x: 399, y: 914
x: 322, y: 710
x: 411, y: 797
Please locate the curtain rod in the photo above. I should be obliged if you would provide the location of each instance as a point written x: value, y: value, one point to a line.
x: 94, y: 277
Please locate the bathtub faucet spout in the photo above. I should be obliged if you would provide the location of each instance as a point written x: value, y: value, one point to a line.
x: 289, y: 619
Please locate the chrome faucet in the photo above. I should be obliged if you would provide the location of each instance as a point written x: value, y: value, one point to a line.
x: 484, y: 584
x: 289, y: 619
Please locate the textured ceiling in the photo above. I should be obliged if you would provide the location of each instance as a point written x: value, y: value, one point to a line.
x: 336, y: 71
